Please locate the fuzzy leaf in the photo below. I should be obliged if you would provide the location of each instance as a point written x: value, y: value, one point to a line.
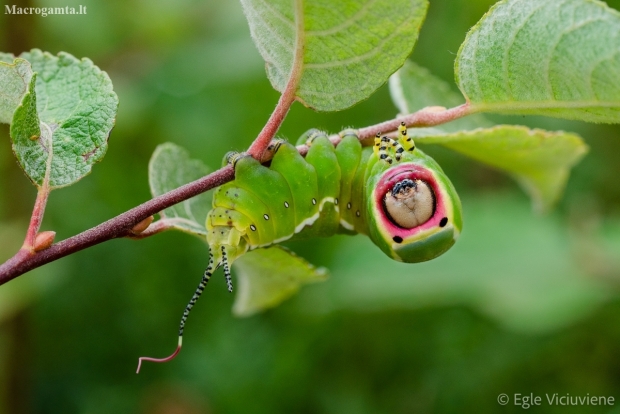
x: 171, y: 167
x: 559, y: 58
x: 7, y: 57
x: 266, y: 277
x: 63, y: 128
x: 341, y: 50
x: 540, y: 161
x: 15, y: 80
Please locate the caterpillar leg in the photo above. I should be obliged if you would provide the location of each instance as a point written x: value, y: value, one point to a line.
x: 211, y: 268
x: 308, y: 137
x: 232, y: 157
x: 314, y: 134
x: 348, y: 132
x: 274, y: 146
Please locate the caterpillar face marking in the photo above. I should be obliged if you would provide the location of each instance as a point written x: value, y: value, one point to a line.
x: 403, y: 201
x: 410, y: 203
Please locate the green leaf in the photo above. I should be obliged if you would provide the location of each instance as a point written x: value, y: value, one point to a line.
x: 62, y: 129
x: 171, y: 167
x: 559, y: 58
x: 540, y: 161
x: 266, y: 277
x: 15, y: 79
x: 7, y: 57
x: 413, y: 87
x: 336, y: 53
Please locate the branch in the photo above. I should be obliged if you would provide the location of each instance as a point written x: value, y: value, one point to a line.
x: 119, y: 226
x: 122, y: 225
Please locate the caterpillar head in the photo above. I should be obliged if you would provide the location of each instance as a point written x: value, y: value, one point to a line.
x: 414, y: 211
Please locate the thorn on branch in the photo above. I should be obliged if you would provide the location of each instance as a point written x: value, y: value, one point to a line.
x: 143, y: 225
x: 44, y: 240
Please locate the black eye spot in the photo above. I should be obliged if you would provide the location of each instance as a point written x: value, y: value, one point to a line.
x: 443, y: 222
x: 336, y: 201
x: 265, y: 216
x: 357, y: 213
x: 253, y: 227
x: 349, y: 206
x: 314, y: 201
x: 286, y: 204
x: 397, y: 239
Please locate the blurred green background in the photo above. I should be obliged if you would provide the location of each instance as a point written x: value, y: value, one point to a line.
x: 522, y: 304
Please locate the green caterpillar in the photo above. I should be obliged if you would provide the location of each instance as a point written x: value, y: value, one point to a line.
x: 392, y: 192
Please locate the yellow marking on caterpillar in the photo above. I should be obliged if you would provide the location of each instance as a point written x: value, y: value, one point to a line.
x: 375, y: 148
x: 383, y: 149
x: 404, y: 139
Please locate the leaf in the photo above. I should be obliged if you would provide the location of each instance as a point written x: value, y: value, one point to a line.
x: 171, y: 167
x: 413, y: 87
x: 62, y: 129
x: 269, y: 276
x: 559, y: 58
x: 7, y: 57
x: 334, y: 53
x: 539, y: 160
x: 15, y: 79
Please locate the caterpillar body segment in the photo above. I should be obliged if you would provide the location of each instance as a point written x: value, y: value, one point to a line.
x: 349, y: 154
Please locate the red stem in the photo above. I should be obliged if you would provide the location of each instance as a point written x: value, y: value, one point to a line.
x: 263, y: 139
x: 36, y: 219
x: 260, y: 144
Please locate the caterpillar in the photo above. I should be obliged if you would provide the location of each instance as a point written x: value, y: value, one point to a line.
x: 392, y: 192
